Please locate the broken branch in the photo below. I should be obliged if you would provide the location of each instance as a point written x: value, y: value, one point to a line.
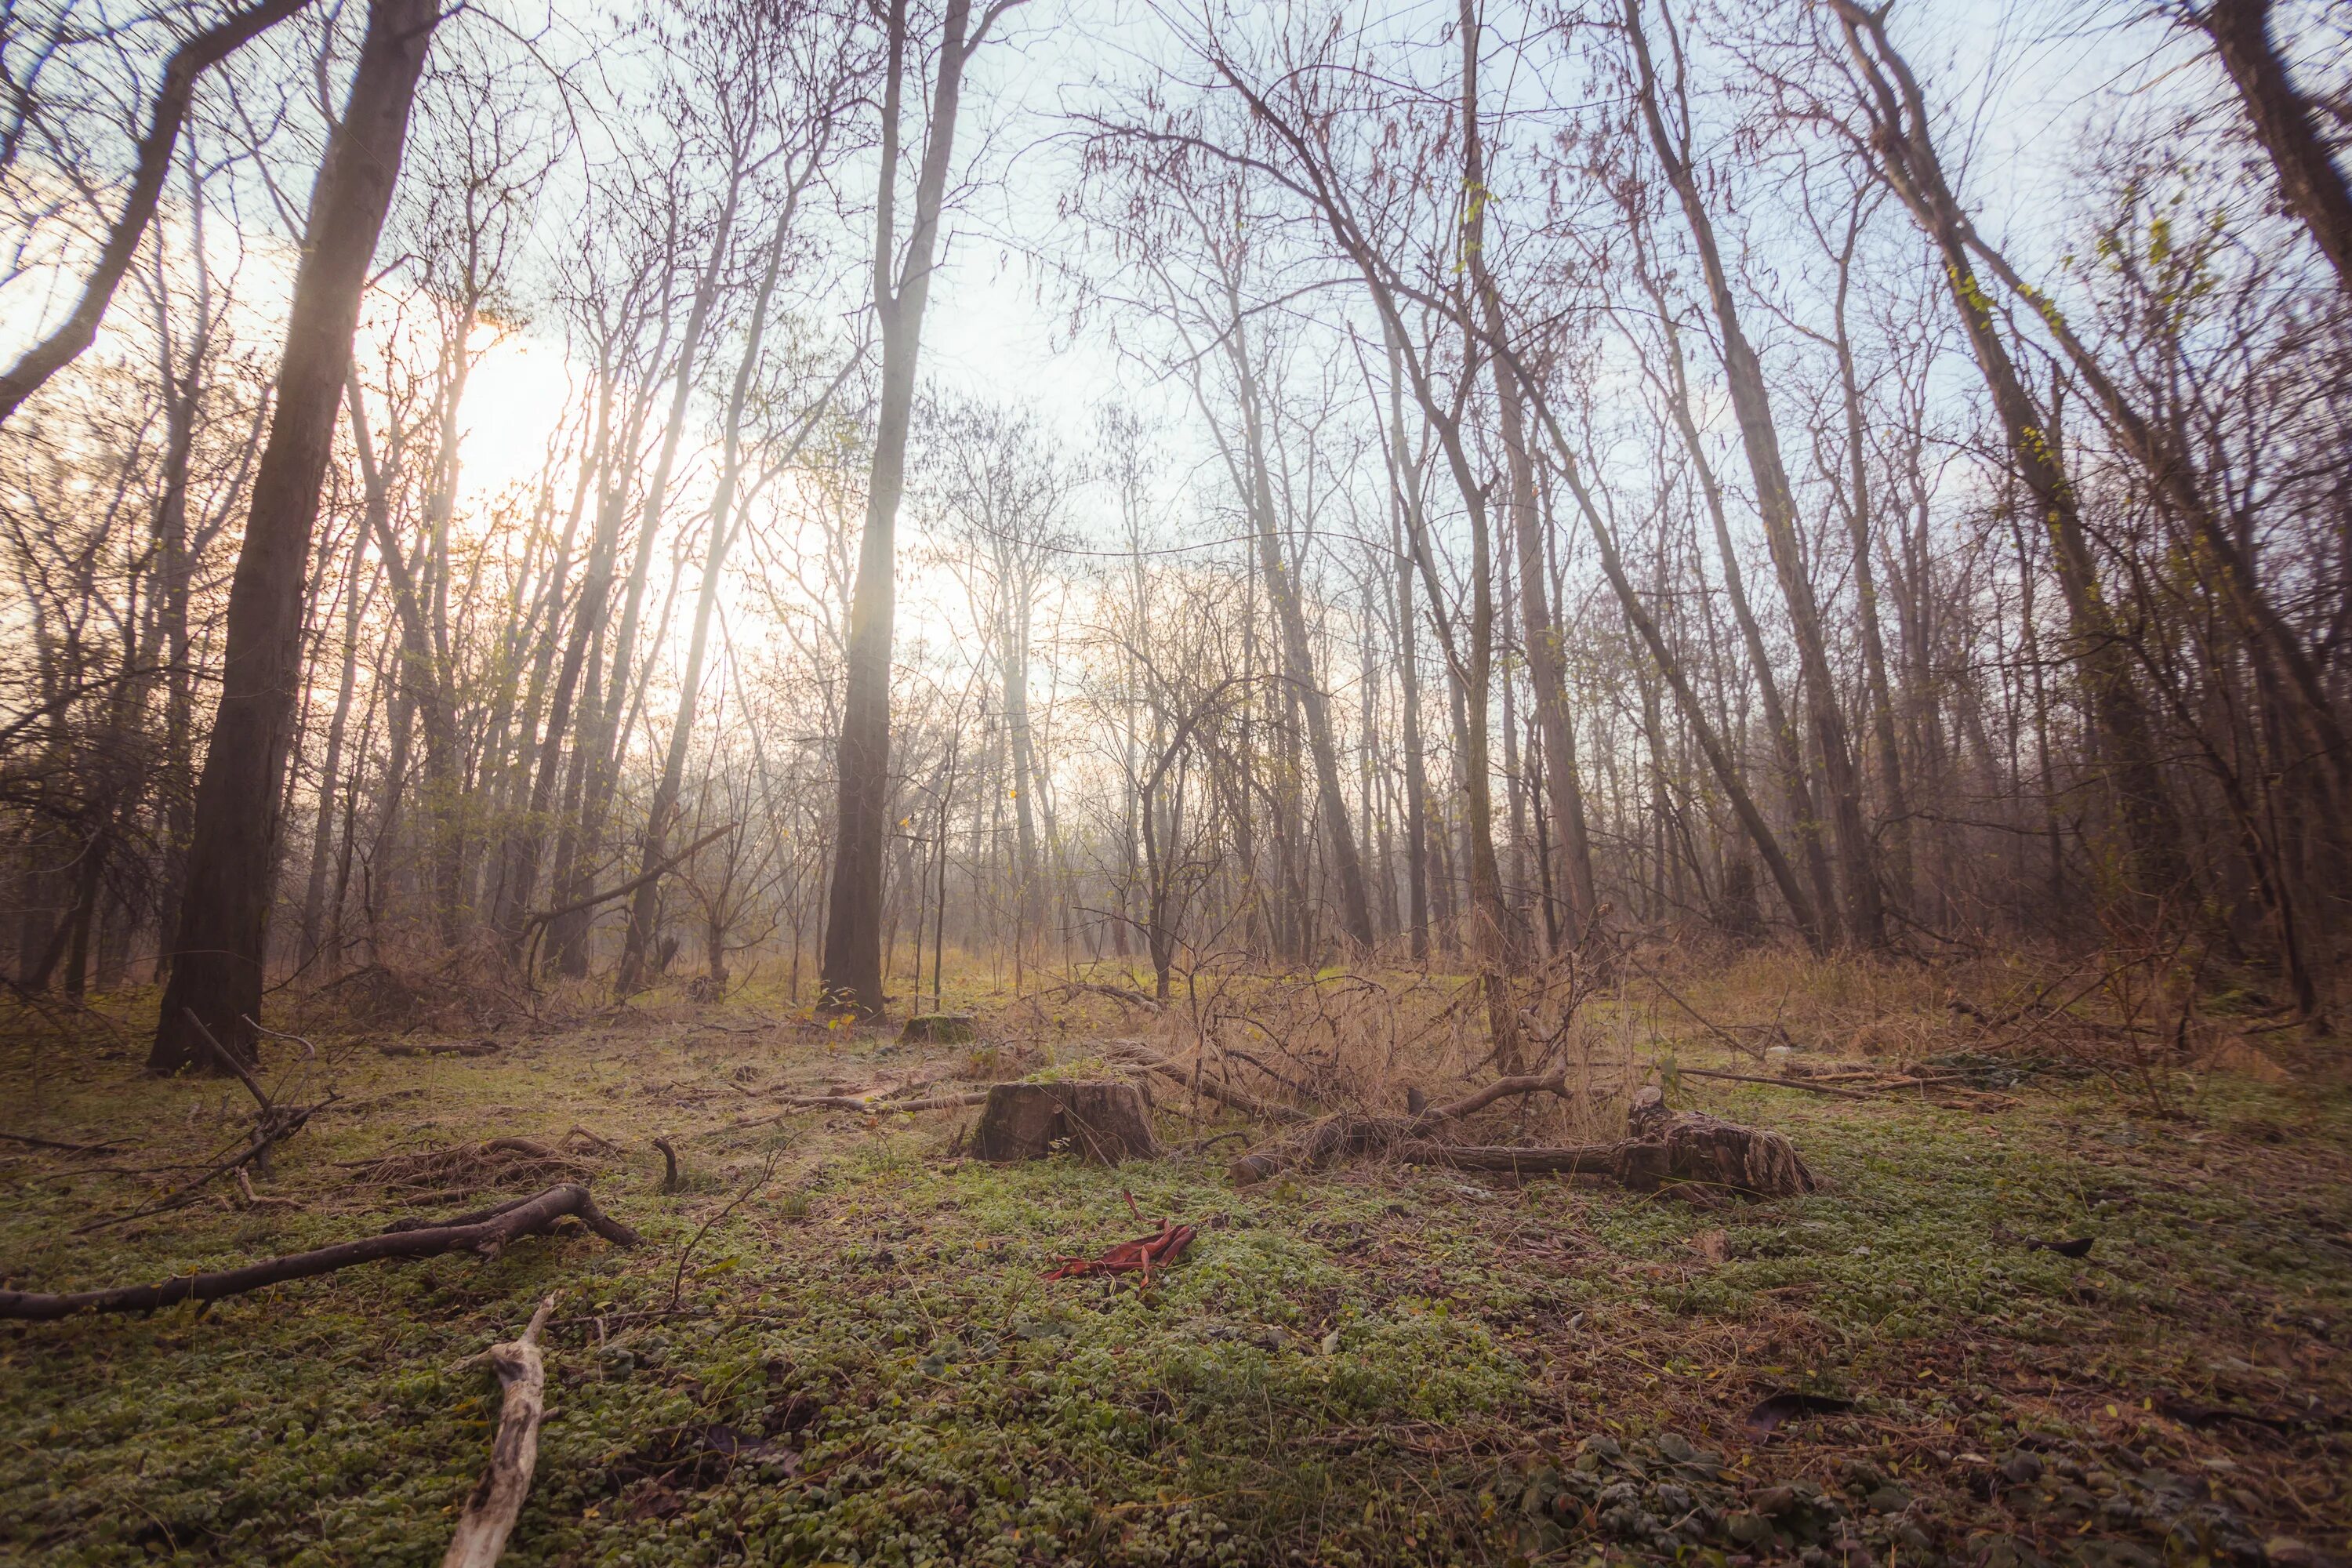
x: 498, y: 1496
x: 488, y: 1236
x: 1239, y: 1100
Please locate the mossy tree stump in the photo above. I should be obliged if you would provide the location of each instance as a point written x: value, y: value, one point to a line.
x: 938, y: 1029
x: 1104, y: 1121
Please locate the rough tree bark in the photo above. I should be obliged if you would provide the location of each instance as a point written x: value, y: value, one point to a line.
x: 219, y: 948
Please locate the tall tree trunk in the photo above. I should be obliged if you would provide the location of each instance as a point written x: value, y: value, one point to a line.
x: 724, y: 522
x: 852, y: 929
x: 323, y: 836
x: 1787, y: 745
x: 216, y: 971
x: 1776, y: 503
x: 521, y: 876
x: 1405, y: 521
x: 1298, y: 660
x: 1544, y: 659
x: 2153, y: 868
x: 1859, y: 526
x: 2314, y: 186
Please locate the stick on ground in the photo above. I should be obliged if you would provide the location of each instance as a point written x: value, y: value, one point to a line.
x: 488, y: 1236
x: 498, y: 1496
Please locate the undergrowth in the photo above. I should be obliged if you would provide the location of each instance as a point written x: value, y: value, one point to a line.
x: 1372, y: 1364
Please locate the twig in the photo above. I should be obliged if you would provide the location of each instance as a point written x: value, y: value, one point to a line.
x: 28, y: 1139
x: 678, y: 1280
x: 1809, y: 1086
x: 221, y: 1055
x: 850, y: 1102
x: 274, y: 1128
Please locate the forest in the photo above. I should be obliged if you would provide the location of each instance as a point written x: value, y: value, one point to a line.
x: 1629, y: 716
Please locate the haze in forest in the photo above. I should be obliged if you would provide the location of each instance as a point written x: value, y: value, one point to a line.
x: 1635, y: 715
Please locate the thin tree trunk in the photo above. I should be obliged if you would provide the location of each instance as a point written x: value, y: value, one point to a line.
x: 1776, y: 503
x: 2153, y: 869
x: 852, y: 968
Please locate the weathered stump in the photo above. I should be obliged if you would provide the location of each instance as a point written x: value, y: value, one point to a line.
x: 1105, y: 1122
x: 938, y: 1029
x: 1665, y: 1145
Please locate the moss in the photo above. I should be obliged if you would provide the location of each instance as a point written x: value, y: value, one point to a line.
x: 1367, y: 1365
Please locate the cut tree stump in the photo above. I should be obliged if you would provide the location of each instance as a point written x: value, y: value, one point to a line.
x: 1665, y: 1145
x: 1105, y: 1122
x: 938, y: 1029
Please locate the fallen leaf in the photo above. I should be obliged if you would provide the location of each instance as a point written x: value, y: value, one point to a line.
x: 1715, y: 1246
x: 1137, y: 1256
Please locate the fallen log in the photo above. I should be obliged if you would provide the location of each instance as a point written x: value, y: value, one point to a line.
x: 851, y: 1102
x: 1661, y: 1147
x: 498, y: 1497
x: 1223, y: 1094
x: 1351, y: 1134
x: 487, y: 1234
x: 482, y: 1047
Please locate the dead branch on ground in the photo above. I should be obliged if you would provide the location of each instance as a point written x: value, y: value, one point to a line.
x: 487, y: 1234
x: 498, y: 1497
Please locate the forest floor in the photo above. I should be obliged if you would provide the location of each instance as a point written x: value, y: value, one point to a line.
x: 1369, y: 1364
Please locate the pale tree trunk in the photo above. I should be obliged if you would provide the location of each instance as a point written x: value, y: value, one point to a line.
x: 216, y: 973
x: 645, y: 905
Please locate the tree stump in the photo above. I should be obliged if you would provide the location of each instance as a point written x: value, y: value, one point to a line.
x: 938, y: 1029
x: 1104, y: 1121
x: 1665, y: 1145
